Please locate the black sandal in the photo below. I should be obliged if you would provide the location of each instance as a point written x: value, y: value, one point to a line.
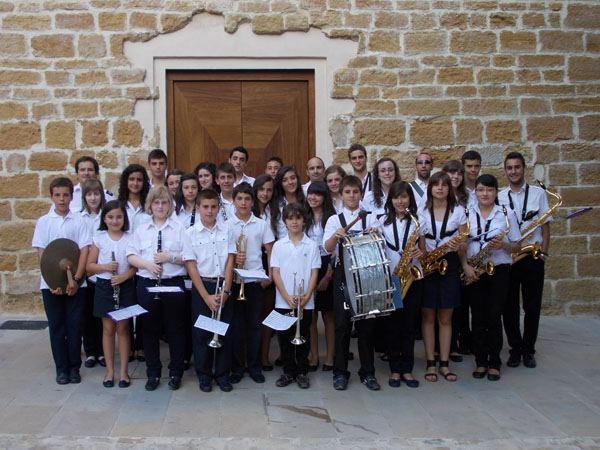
x: 444, y: 364
x: 431, y: 377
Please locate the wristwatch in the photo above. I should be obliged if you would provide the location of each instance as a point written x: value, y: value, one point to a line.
x: 77, y: 280
x: 227, y: 292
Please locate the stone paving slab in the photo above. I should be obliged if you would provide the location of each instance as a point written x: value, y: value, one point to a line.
x: 556, y: 405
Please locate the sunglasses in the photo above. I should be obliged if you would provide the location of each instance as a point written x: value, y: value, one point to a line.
x: 423, y: 162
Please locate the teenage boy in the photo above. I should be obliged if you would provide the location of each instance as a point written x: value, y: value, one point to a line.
x: 526, y: 275
x: 247, y: 315
x: 238, y: 157
x: 274, y: 163
x: 471, y: 161
x: 209, y: 252
x: 315, y: 169
x: 357, y: 155
x: 423, y: 168
x: 226, y: 181
x: 351, y: 191
x: 157, y: 162
x: 64, y: 309
x: 295, y: 259
x: 86, y: 168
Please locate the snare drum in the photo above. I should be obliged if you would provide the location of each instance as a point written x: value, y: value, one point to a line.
x: 368, y: 278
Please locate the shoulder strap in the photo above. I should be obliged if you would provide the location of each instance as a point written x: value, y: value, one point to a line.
x: 417, y: 188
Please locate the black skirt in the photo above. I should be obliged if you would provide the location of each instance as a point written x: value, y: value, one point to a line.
x: 104, y: 300
x: 324, y: 299
x: 443, y: 291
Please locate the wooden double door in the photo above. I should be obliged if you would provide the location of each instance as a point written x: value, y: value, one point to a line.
x: 267, y: 112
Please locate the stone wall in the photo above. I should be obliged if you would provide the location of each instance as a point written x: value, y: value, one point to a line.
x: 446, y: 76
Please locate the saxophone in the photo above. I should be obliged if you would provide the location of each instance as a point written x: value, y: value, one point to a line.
x: 434, y: 260
x: 481, y: 262
x: 534, y: 249
x: 406, y: 271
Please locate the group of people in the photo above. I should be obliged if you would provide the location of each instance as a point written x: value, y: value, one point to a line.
x: 169, y: 227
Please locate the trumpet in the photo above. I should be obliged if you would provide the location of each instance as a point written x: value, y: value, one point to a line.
x: 241, y: 246
x: 216, y: 315
x: 297, y: 339
x: 116, y: 287
x: 158, y: 250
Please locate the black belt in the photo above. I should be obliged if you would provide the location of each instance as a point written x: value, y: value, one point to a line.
x: 177, y: 278
x: 209, y: 279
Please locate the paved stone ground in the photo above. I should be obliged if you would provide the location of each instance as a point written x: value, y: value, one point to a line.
x: 556, y: 405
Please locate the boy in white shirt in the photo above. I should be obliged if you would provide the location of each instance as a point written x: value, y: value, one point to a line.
x: 226, y: 181
x: 295, y: 259
x: 64, y: 309
x: 209, y: 253
x: 351, y: 189
x: 247, y: 314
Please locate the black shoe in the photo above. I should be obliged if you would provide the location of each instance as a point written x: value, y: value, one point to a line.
x: 327, y: 368
x: 371, y: 383
x: 124, y: 383
x: 267, y: 367
x: 258, y: 378
x: 285, y: 380
x: 410, y: 383
x: 174, y: 383
x: 74, y: 377
x: 493, y: 376
x: 514, y: 361
x: 313, y: 368
x: 303, y: 381
x: 479, y: 375
x: 278, y: 362
x: 90, y: 362
x: 108, y: 383
x: 140, y: 358
x: 464, y: 349
x: 152, y: 383
x: 205, y: 385
x: 395, y: 383
x: 456, y: 357
x: 131, y: 358
x: 225, y: 385
x: 62, y: 378
x: 235, y: 378
x: 529, y: 360
x: 340, y: 383
x: 102, y: 361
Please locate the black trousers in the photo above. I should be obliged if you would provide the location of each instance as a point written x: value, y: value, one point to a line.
x: 91, y: 327
x: 136, y: 335
x: 204, y: 356
x: 343, y: 326
x: 247, y: 328
x: 188, y: 325
x: 365, y: 329
x: 295, y: 357
x: 64, y: 315
x: 401, y: 330
x: 488, y: 297
x: 461, y: 324
x: 165, y: 313
x: 527, y: 278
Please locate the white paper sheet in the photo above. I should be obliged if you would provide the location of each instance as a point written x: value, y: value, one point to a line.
x: 212, y: 325
x: 278, y: 321
x: 166, y: 289
x: 252, y: 275
x: 126, y: 313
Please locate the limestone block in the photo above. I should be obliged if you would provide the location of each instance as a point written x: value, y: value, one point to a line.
x: 469, y: 131
x: 576, y: 104
x: 142, y: 20
x: 12, y: 44
x: 384, y: 41
x: 549, y: 129
x: 425, y: 42
x: 15, y: 163
x: 53, y: 46
x: 19, y: 135
x: 379, y: 132
x: 5, y: 210
x: 91, y: 46
x: 116, y: 108
x: 13, y: 110
x: 580, y: 152
x: 113, y: 21
x: 11, y: 77
x: 83, y: 21
x: 107, y: 159
x: 455, y: 75
x: 27, y: 22
x: 31, y: 209
x: 94, y: 133
x: 296, y: 21
x: 583, y: 16
x: 472, y: 42
x: 56, y: 161
x: 29, y: 260
x: 503, y: 131
x: 589, y: 173
x: 267, y: 24
x: 128, y: 133
x: 16, y: 236
x: 60, y: 134
x: 534, y: 106
x: 431, y: 133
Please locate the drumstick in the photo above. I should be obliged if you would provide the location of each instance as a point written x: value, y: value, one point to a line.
x: 361, y: 215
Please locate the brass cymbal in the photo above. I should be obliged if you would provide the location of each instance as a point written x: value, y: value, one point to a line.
x: 57, y: 257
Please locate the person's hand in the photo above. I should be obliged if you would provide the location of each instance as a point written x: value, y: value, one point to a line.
x: 117, y: 279
x: 154, y: 268
x: 470, y: 273
x: 323, y: 284
x: 240, y: 259
x: 112, y: 266
x: 340, y: 233
x: 496, y: 244
x: 453, y: 244
x: 415, y: 253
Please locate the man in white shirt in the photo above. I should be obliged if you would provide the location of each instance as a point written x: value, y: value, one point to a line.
x: 423, y: 167
x: 357, y: 155
x: 527, y: 275
x: 157, y: 161
x: 471, y: 161
x: 315, y: 169
x: 86, y: 168
x: 238, y: 158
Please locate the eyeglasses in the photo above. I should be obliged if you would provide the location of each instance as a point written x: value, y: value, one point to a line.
x: 423, y: 162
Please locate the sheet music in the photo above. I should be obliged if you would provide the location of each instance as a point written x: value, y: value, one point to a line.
x: 127, y: 313
x: 251, y: 275
x: 278, y: 321
x: 166, y: 289
x: 212, y: 325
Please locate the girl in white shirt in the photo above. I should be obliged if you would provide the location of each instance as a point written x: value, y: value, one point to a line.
x: 385, y: 172
x: 185, y: 200
x: 114, y: 285
x: 287, y: 189
x: 333, y: 176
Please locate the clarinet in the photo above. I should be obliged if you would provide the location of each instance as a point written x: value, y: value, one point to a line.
x: 158, y: 250
x: 116, y: 287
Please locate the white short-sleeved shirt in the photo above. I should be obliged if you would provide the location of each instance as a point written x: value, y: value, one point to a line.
x: 537, y: 200
x: 258, y: 233
x: 185, y: 218
x: 106, y: 247
x: 315, y: 233
x: 145, y: 244
x: 305, y: 188
x: 368, y: 203
x: 290, y: 258
x: 393, y: 249
x: 210, y: 248
x: 136, y: 216
x: 245, y: 179
x: 93, y: 223
x: 456, y: 218
x: 496, y: 224
x: 51, y: 226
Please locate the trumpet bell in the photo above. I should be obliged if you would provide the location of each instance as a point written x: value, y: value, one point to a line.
x: 298, y: 340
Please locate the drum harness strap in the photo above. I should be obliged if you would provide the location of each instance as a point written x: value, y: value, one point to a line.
x: 340, y: 264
